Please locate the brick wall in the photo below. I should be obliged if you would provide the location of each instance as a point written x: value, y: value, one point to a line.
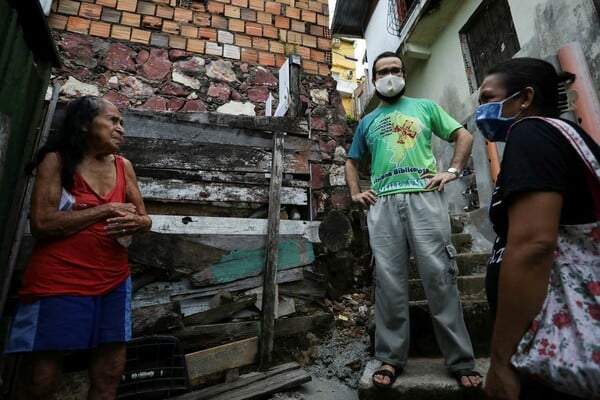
x: 253, y: 31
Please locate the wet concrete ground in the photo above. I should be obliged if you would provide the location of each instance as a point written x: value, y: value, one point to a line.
x: 320, y: 389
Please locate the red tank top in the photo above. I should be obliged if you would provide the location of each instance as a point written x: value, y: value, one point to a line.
x: 88, y: 262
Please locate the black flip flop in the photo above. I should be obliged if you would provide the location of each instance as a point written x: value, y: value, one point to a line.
x: 386, y: 373
x: 461, y: 373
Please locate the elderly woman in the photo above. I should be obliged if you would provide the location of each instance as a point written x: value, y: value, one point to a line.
x: 76, y: 291
x: 544, y: 272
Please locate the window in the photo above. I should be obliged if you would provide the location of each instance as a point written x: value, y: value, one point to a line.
x: 398, y: 11
x: 488, y: 38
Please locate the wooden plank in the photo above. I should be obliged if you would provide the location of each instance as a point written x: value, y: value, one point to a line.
x: 312, y: 287
x: 154, y: 319
x: 260, y: 389
x: 172, y: 190
x: 194, y: 225
x: 220, y: 313
x: 289, y: 275
x: 245, y: 263
x: 144, y: 279
x: 221, y: 358
x: 158, y: 293
x: 272, y: 262
x: 247, y: 178
x: 173, y: 253
x: 162, y: 153
x: 244, y: 380
x: 203, y: 336
x: 189, y: 253
x: 295, y: 126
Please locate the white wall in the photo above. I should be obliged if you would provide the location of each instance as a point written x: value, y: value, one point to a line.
x: 522, y: 12
x: 442, y: 77
x: 377, y: 38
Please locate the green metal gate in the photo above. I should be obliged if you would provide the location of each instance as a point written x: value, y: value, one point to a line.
x: 27, y: 55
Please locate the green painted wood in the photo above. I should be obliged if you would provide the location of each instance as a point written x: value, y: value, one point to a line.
x: 24, y: 77
x: 241, y: 264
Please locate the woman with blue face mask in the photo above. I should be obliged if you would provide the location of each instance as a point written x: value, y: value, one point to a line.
x: 546, y: 194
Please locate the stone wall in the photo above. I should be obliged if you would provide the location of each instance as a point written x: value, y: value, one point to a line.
x: 160, y: 76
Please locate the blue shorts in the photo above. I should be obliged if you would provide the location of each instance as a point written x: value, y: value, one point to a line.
x: 72, y: 322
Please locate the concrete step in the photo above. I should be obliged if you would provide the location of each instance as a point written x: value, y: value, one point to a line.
x: 462, y: 242
x: 422, y: 379
x: 468, y: 263
x: 470, y: 287
x: 476, y: 314
x: 478, y: 320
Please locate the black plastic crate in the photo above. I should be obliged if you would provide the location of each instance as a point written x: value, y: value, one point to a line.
x: 155, y: 369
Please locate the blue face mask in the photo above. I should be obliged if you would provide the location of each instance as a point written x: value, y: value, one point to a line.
x: 490, y: 121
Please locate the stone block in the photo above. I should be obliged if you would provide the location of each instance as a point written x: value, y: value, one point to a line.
x: 120, y: 32
x: 207, y: 33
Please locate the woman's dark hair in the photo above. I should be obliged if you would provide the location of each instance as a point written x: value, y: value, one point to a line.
x: 69, y: 141
x: 385, y: 54
x: 521, y: 72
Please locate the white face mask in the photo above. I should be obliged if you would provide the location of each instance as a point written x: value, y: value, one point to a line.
x: 390, y: 85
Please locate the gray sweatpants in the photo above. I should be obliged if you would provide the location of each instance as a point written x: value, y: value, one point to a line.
x: 417, y: 221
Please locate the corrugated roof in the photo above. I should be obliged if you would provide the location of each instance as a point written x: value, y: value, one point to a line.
x: 350, y: 17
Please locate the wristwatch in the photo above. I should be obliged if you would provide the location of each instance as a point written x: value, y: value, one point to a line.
x: 454, y: 171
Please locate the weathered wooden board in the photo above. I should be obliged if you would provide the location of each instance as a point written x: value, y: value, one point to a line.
x: 154, y: 319
x: 162, y: 153
x: 196, y: 225
x: 175, y: 190
x: 205, y: 336
x: 158, y: 293
x: 186, y: 300
x: 144, y: 121
x: 312, y: 287
x: 173, y: 253
x: 245, y: 178
x: 176, y: 253
x: 221, y: 358
x: 208, y: 209
x: 221, y: 312
x: 245, y: 380
x: 145, y: 278
x: 240, y: 264
x: 274, y: 384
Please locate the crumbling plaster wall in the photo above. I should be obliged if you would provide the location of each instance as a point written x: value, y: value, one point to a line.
x: 543, y: 27
x: 557, y: 23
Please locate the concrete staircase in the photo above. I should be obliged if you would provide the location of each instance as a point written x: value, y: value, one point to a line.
x: 425, y: 376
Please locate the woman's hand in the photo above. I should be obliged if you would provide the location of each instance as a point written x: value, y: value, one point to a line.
x: 126, y: 221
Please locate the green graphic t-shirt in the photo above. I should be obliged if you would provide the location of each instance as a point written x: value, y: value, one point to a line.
x: 398, y: 137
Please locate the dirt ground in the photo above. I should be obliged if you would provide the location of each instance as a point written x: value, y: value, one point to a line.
x: 336, y: 359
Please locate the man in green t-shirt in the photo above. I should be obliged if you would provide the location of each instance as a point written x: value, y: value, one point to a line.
x: 407, y: 211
